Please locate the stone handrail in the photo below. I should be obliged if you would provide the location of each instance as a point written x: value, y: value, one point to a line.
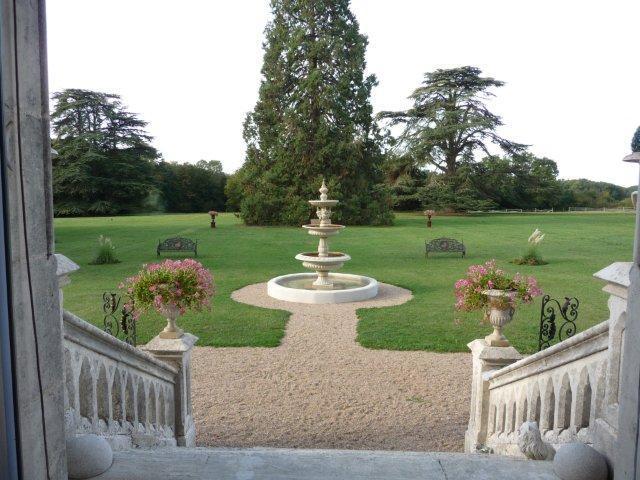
x: 570, y: 389
x: 115, y: 390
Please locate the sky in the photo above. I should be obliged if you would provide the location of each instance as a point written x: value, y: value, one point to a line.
x: 191, y: 68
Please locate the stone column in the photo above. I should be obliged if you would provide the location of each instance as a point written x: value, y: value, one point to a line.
x: 64, y: 267
x: 177, y: 351
x: 606, y: 424
x: 627, y: 461
x: 486, y: 359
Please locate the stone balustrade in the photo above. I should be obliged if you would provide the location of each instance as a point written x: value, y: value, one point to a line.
x: 570, y: 389
x: 130, y: 396
x: 116, y: 390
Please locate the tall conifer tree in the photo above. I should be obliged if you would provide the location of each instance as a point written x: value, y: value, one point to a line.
x: 313, y: 119
x: 106, y: 161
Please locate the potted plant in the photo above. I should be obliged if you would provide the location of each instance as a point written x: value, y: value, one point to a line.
x: 171, y: 288
x: 489, y: 288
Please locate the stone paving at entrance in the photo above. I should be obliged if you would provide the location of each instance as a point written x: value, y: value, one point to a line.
x: 321, y: 389
x: 278, y: 464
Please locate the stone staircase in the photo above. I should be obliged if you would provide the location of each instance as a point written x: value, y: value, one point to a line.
x: 286, y: 464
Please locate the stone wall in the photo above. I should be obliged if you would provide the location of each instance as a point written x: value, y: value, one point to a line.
x: 570, y: 389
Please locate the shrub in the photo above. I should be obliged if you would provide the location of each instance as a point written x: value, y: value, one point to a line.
x: 532, y: 255
x: 106, y: 252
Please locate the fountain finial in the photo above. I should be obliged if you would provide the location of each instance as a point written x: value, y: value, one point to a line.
x: 323, y: 191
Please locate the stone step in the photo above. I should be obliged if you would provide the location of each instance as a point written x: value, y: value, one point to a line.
x: 289, y: 464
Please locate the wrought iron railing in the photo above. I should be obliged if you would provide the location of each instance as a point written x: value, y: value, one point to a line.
x: 553, y: 327
x: 118, y: 317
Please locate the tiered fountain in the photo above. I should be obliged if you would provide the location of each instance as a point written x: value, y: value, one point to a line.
x: 322, y: 286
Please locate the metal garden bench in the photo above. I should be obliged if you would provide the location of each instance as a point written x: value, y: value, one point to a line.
x: 178, y: 244
x: 444, y: 245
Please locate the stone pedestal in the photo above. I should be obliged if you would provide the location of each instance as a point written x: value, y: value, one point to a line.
x: 177, y: 351
x: 486, y: 359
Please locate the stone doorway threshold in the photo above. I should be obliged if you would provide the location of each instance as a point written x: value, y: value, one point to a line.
x: 289, y: 464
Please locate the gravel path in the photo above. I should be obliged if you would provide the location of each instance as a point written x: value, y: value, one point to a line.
x: 321, y: 389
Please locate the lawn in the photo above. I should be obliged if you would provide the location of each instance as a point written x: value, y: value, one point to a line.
x: 576, y: 246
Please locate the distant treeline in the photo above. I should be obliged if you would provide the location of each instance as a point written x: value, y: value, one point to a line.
x: 105, y: 164
x: 522, y: 181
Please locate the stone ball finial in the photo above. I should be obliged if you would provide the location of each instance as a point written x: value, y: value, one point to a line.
x: 88, y: 456
x: 577, y: 461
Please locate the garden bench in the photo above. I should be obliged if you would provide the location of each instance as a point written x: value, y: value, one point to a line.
x: 444, y: 245
x: 178, y: 244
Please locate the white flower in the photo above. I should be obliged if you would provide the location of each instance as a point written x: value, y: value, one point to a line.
x: 536, y: 237
x: 105, y: 242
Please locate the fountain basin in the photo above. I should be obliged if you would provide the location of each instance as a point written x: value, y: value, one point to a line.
x: 323, y: 230
x: 314, y: 261
x: 298, y: 287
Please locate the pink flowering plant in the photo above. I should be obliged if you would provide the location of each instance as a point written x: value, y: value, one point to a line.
x: 469, y: 290
x: 171, y: 284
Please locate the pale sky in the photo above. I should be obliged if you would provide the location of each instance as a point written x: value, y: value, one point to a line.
x: 191, y: 68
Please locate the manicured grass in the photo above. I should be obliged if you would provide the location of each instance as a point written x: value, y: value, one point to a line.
x: 576, y: 246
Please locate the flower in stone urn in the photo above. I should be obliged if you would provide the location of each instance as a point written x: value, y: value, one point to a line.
x: 489, y: 288
x: 171, y: 288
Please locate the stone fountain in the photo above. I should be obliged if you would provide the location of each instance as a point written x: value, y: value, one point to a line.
x: 323, y: 286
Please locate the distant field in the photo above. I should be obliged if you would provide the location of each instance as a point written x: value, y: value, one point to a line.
x: 576, y: 246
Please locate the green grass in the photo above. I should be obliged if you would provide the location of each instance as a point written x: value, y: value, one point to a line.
x: 576, y: 246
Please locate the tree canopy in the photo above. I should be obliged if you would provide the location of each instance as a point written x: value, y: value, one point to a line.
x: 186, y: 187
x: 105, y: 160
x: 635, y: 141
x: 313, y: 119
x: 449, y: 120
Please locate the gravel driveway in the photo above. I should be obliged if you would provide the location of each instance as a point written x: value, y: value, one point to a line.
x: 321, y: 389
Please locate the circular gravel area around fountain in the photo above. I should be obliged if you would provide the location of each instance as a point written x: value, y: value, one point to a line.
x: 321, y: 389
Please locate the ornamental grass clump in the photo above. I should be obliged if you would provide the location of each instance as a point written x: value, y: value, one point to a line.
x: 532, y: 255
x: 179, y: 285
x: 470, y: 290
x: 106, y: 252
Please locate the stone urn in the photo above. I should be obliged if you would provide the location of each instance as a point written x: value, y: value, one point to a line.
x: 171, y: 314
x: 500, y: 312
